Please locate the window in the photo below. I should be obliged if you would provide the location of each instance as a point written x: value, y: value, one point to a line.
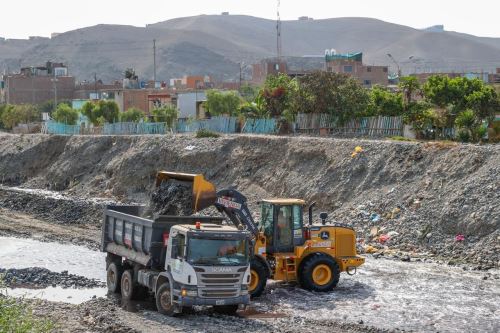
x: 385, y: 69
x: 284, y: 232
x: 368, y: 82
x: 267, y: 217
x: 348, y: 69
x: 204, y: 251
x: 368, y: 69
x: 297, y: 216
x: 179, y: 250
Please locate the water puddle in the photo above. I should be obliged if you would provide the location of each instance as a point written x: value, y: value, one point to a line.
x: 24, y: 253
x: 58, y: 294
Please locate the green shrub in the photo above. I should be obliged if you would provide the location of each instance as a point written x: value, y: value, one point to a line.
x: 463, y: 135
x: 132, y: 115
x: 65, y: 114
x: 204, y: 133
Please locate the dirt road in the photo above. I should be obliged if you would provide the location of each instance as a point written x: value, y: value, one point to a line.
x: 384, y: 295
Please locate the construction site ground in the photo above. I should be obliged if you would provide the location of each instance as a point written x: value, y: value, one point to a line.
x: 427, y: 213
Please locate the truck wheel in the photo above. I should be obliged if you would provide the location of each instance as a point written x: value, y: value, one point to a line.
x: 229, y: 310
x: 319, y: 272
x: 258, y: 278
x: 128, y: 287
x: 164, y: 300
x: 113, y: 277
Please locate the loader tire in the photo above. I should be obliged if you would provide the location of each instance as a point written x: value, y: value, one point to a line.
x: 258, y: 278
x: 114, y: 277
x: 319, y: 272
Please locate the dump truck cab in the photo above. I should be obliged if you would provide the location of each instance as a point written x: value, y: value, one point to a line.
x: 209, y: 265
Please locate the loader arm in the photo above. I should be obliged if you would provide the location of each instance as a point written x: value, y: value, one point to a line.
x: 234, y: 205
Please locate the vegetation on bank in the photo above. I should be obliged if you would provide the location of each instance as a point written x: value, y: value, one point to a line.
x: 17, y: 316
x: 433, y: 109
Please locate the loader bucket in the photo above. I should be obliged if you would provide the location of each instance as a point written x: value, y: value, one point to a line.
x: 204, y: 194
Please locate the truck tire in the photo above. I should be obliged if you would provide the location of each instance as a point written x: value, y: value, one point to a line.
x: 128, y: 286
x: 229, y: 310
x: 258, y: 278
x: 164, y: 300
x: 319, y: 272
x: 113, y: 277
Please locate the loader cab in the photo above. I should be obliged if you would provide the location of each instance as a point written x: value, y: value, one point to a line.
x: 282, y: 224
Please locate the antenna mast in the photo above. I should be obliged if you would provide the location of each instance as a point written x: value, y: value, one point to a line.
x: 278, y: 33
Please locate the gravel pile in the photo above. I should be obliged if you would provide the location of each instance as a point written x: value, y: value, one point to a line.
x: 58, y: 209
x: 36, y: 277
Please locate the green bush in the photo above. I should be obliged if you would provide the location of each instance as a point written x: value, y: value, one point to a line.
x: 65, y: 114
x: 204, y: 133
x: 463, y: 135
x: 12, y: 115
x: 132, y: 115
x: 166, y: 114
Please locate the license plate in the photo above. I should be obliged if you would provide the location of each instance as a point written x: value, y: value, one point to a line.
x: 220, y: 302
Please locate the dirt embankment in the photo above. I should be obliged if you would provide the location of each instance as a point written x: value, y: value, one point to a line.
x: 398, y: 195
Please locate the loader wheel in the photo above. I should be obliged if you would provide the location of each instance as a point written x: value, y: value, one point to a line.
x: 113, y: 277
x: 258, y: 278
x: 319, y: 272
x: 164, y: 300
x: 128, y: 286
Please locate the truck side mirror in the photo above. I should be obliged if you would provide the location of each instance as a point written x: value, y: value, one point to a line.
x: 323, y: 216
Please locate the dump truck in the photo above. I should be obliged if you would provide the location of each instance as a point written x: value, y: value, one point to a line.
x: 182, y: 260
x: 284, y: 247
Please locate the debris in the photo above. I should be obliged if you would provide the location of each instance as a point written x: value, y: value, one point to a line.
x: 171, y: 198
x: 375, y: 217
x: 383, y: 238
x: 374, y: 231
x: 392, y: 234
x: 459, y: 238
x: 190, y: 147
x: 391, y: 190
x: 356, y: 151
x: 370, y: 249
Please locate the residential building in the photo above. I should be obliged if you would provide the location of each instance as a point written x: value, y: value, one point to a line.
x: 36, y: 85
x: 192, y: 82
x: 352, y: 64
x: 271, y: 66
x: 190, y: 104
x: 143, y: 99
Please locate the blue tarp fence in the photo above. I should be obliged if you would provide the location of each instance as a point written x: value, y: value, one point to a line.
x: 260, y: 126
x: 215, y: 124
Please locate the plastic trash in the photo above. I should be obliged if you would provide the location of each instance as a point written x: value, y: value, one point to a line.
x: 356, y: 151
x: 392, y: 234
x: 383, y: 238
x: 459, y: 238
x: 375, y: 217
x: 190, y: 147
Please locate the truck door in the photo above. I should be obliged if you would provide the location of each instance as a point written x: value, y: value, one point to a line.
x: 178, y: 256
x: 288, y: 228
x: 283, y: 231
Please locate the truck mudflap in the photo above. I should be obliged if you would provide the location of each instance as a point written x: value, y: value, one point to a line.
x: 190, y: 301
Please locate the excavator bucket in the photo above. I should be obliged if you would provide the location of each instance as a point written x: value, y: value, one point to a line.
x: 204, y: 194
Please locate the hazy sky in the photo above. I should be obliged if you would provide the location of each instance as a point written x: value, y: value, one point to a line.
x: 21, y: 19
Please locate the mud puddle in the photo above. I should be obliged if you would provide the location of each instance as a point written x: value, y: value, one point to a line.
x: 390, y: 294
x: 58, y: 294
x: 25, y: 253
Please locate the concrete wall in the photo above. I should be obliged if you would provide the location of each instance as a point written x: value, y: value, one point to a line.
x: 189, y: 104
x: 37, y: 89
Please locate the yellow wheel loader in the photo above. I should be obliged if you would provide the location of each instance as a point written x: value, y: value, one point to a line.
x: 284, y: 247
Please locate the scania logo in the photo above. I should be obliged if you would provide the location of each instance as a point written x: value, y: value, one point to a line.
x: 221, y: 269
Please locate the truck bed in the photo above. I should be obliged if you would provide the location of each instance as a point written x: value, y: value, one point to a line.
x: 127, y: 234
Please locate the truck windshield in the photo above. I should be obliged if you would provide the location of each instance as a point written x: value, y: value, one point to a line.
x: 209, y: 252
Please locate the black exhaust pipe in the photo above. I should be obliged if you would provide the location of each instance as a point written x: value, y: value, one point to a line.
x: 311, y: 206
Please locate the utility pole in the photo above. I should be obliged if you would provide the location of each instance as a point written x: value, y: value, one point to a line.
x: 241, y: 76
x: 278, y: 34
x: 95, y: 85
x: 154, y: 62
x: 397, y: 65
x: 54, y: 81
